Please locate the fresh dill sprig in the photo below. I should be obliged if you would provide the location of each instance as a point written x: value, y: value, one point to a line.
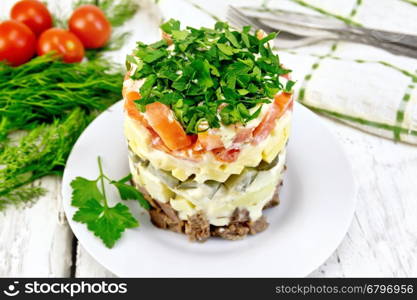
x: 46, y: 88
x: 53, y: 102
x: 42, y: 151
x: 20, y: 196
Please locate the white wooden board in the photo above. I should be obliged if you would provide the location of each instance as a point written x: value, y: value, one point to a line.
x: 36, y: 240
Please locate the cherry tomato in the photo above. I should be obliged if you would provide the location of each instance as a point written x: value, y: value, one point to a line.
x: 91, y: 26
x: 17, y: 43
x: 33, y: 14
x: 63, y: 42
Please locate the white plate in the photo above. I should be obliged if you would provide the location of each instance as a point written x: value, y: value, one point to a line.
x: 317, y: 205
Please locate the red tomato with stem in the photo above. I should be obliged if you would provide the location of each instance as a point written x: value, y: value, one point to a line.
x: 64, y: 43
x: 89, y: 23
x: 33, y: 14
x: 17, y: 43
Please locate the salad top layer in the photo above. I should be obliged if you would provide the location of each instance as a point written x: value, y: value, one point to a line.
x: 209, y: 78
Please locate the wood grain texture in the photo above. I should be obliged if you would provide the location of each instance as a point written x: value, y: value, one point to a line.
x: 36, y: 240
x: 87, y: 266
x: 382, y: 239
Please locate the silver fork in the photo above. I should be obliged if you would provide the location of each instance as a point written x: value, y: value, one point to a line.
x: 291, y: 36
x: 327, y: 23
x: 286, y: 40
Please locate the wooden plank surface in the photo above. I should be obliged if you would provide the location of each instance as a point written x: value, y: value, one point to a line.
x: 36, y: 240
x: 86, y: 266
x: 382, y: 239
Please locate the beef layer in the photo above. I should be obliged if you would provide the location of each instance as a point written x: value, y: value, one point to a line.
x: 197, y: 227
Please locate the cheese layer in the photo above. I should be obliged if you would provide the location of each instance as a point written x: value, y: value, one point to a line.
x: 208, y: 167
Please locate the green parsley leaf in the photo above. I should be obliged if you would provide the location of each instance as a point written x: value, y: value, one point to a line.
x: 180, y: 35
x: 84, y: 190
x: 128, y: 192
x: 255, y: 114
x: 146, y: 88
x: 151, y: 55
x: 158, y: 44
x: 289, y: 86
x: 202, y: 73
x: 105, y: 221
x: 232, y: 39
x: 226, y: 49
x: 170, y: 26
x: 268, y: 38
x: 245, y: 37
x: 243, y: 92
x: 89, y: 212
x: 125, y: 179
x: 244, y: 112
x: 221, y: 26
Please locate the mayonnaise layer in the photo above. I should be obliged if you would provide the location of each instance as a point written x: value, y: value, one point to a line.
x: 251, y: 191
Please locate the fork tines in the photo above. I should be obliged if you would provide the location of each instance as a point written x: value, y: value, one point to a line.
x: 238, y: 19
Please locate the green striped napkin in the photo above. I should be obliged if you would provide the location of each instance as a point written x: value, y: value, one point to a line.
x: 363, y: 86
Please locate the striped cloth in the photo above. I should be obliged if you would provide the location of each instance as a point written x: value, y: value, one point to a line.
x: 360, y: 85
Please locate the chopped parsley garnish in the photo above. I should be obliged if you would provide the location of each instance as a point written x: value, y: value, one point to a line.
x: 210, y: 76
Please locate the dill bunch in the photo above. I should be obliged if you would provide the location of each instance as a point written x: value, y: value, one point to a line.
x: 52, y: 102
x: 40, y: 152
x: 46, y: 88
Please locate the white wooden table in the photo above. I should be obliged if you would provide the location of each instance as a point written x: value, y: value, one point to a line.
x: 382, y: 239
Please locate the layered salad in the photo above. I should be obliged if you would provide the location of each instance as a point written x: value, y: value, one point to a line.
x: 208, y: 116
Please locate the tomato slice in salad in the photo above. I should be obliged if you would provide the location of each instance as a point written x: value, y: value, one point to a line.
x: 161, y: 119
x: 131, y: 108
x: 282, y: 102
x: 243, y: 135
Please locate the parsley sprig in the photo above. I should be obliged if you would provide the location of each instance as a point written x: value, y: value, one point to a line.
x: 210, y: 76
x: 105, y: 221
